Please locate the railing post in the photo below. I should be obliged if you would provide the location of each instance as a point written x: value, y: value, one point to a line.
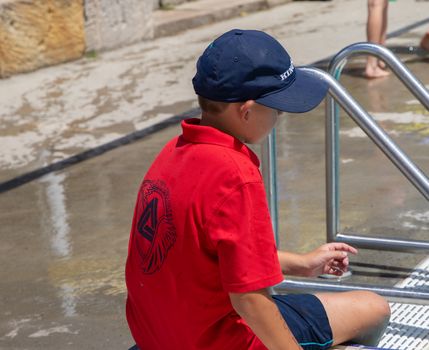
x: 331, y: 168
x: 269, y: 174
x: 332, y: 154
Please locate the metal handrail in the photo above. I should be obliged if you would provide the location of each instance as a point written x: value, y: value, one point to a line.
x: 398, y: 295
x: 269, y: 174
x: 379, y: 137
x: 400, y: 159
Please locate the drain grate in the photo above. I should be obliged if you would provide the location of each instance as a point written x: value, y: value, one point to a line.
x: 409, y: 323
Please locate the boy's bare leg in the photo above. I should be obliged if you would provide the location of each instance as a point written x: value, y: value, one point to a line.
x: 376, y: 33
x: 357, y: 316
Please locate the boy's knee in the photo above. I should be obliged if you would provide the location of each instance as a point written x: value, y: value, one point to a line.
x: 378, y: 315
x: 383, y: 307
x: 378, y: 305
x: 384, y: 310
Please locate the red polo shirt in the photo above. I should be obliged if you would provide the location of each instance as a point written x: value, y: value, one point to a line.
x: 201, y: 229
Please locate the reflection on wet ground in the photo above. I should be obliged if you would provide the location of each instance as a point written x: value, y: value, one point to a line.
x: 64, y: 242
x: 64, y: 236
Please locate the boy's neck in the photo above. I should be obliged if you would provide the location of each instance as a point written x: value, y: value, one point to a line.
x: 222, y: 123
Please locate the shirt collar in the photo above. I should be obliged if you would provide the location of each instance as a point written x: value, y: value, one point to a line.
x: 196, y: 133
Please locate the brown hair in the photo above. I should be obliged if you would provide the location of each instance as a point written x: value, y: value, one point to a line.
x: 210, y: 106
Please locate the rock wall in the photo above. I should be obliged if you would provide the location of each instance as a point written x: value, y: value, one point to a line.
x: 38, y: 33
x: 34, y: 34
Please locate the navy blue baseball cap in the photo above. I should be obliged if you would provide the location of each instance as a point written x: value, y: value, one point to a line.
x: 243, y: 65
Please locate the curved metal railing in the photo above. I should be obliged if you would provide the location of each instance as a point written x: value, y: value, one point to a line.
x: 338, y: 96
x: 378, y: 136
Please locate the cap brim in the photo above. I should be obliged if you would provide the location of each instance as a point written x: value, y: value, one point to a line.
x: 305, y: 94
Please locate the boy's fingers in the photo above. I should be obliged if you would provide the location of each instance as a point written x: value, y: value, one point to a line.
x: 344, y: 247
x: 340, y: 264
x: 335, y: 271
x: 337, y: 255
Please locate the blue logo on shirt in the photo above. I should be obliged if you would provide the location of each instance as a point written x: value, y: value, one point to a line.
x: 155, y: 225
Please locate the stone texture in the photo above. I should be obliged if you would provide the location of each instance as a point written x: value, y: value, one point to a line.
x: 34, y: 34
x: 113, y: 23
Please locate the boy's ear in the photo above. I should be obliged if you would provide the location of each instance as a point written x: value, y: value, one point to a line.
x: 245, y: 109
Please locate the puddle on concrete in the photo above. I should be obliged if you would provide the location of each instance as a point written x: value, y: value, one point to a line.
x: 63, y: 251
x: 19, y: 156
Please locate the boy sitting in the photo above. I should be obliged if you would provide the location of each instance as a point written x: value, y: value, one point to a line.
x: 202, y: 253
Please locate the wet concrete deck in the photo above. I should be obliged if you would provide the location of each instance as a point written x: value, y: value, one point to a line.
x: 64, y: 236
x: 59, y: 111
x: 64, y: 242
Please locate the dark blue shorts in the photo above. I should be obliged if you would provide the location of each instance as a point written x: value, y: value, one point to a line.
x: 307, y: 320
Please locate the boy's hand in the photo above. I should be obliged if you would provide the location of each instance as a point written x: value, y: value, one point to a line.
x: 330, y: 258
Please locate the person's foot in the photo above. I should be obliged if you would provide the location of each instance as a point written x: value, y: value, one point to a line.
x: 373, y: 70
x: 424, y: 44
x: 381, y: 64
x: 376, y: 72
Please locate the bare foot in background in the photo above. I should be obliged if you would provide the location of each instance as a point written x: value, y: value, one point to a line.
x: 376, y: 27
x: 381, y: 64
x: 373, y: 70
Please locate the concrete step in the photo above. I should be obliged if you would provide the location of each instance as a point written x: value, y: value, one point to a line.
x: 197, y: 13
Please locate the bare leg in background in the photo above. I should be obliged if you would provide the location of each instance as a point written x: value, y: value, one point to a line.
x: 376, y: 29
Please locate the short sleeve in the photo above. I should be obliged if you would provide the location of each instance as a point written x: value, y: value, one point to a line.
x: 242, y: 235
